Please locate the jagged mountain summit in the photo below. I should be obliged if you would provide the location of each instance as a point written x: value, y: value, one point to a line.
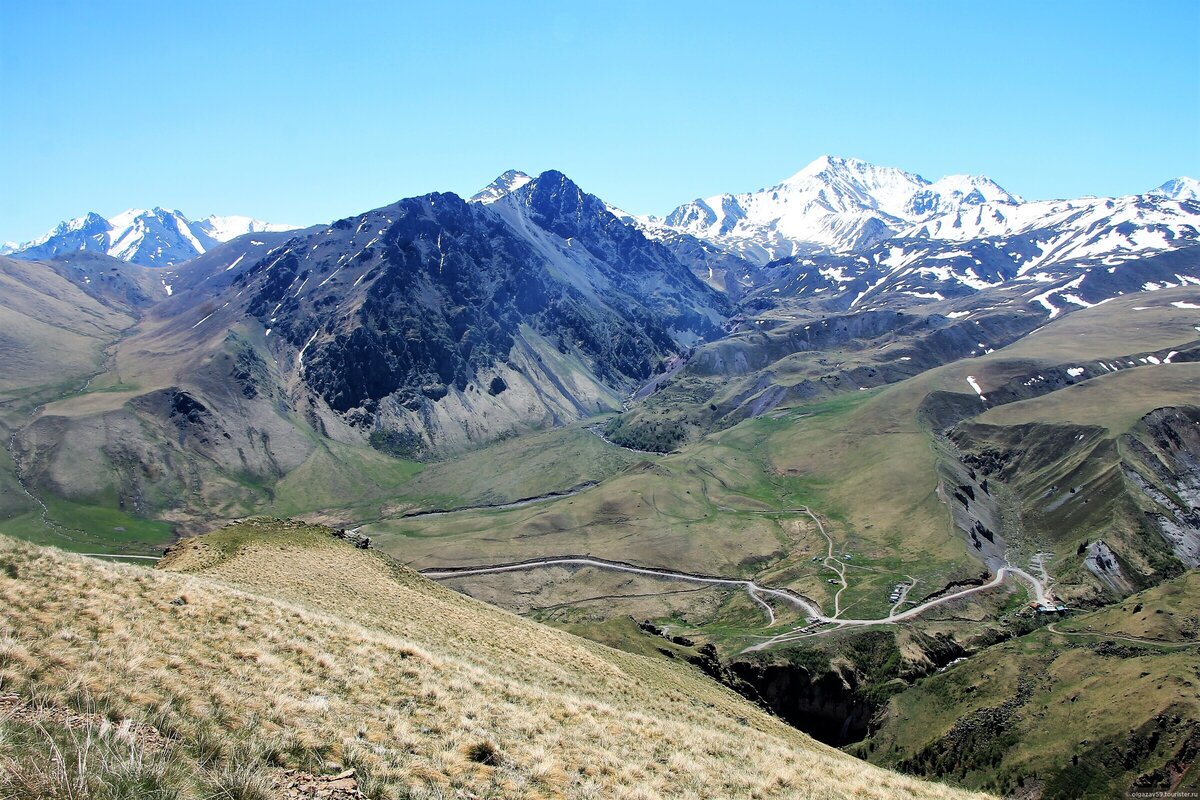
x: 153, y: 237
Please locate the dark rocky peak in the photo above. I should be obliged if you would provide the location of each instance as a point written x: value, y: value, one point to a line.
x: 556, y: 203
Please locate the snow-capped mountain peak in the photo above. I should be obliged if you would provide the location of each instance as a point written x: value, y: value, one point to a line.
x: 508, y: 182
x: 833, y: 204
x: 848, y: 182
x: 1181, y: 188
x: 153, y: 237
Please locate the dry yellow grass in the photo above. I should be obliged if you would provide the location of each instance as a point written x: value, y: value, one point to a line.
x: 296, y: 643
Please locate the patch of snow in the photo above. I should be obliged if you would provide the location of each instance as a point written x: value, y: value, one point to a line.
x: 1042, y: 298
x: 300, y: 355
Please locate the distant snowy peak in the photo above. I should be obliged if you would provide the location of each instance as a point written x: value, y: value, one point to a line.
x: 847, y: 184
x: 833, y: 204
x: 223, y: 229
x: 1182, y: 188
x: 955, y: 192
x: 507, y: 183
x: 154, y: 237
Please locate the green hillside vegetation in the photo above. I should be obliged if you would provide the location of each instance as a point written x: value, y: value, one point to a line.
x: 867, y: 462
x: 271, y: 645
x: 1114, y: 402
x: 1092, y: 706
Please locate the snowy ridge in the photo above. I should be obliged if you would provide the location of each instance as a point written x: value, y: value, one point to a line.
x: 833, y: 204
x: 841, y: 205
x: 154, y: 237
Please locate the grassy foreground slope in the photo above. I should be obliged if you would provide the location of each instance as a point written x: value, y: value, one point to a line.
x: 273, y: 644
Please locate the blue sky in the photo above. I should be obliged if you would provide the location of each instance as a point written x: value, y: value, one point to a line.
x: 302, y: 113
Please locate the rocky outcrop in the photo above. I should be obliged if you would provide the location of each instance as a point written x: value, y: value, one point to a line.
x: 1101, y: 561
x: 352, y: 537
x: 1166, y: 470
x: 824, y: 703
x: 294, y: 784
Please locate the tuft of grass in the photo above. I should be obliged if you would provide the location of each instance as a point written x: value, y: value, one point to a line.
x: 240, y: 780
x: 49, y: 762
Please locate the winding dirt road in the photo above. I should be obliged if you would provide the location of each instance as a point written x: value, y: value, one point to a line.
x: 756, y: 591
x: 1053, y: 628
x: 525, y: 501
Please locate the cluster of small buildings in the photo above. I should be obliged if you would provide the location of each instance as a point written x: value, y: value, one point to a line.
x: 1049, y: 607
x: 897, y: 591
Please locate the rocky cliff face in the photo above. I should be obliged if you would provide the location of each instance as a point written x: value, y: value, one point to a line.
x: 1167, y: 472
x: 1128, y: 505
x: 824, y: 704
x: 835, y: 692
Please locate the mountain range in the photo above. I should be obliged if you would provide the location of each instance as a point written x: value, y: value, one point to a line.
x: 833, y: 206
x: 154, y: 237
x: 441, y: 323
